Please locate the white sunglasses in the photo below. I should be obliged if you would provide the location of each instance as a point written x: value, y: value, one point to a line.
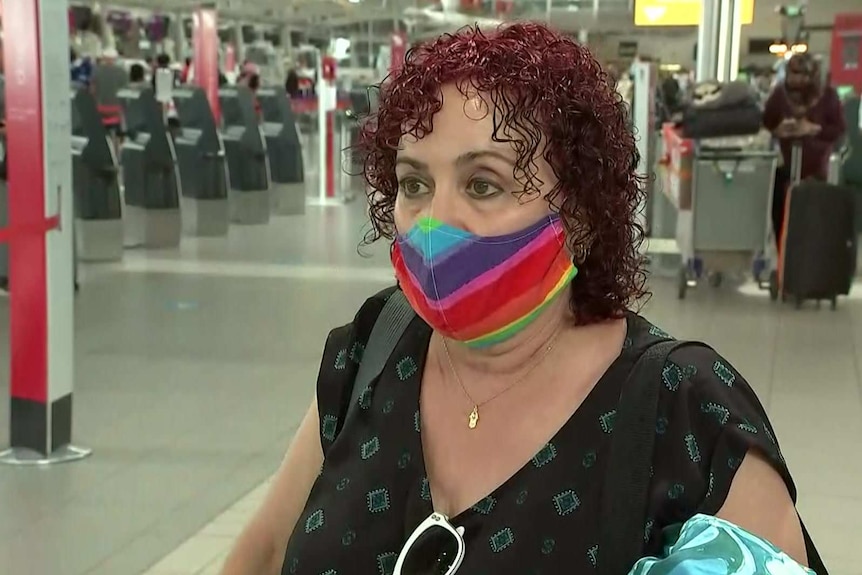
x: 434, y: 548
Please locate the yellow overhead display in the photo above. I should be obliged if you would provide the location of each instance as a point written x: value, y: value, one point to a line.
x: 679, y: 12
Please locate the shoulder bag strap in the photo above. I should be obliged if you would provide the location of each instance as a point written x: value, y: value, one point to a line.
x: 626, y: 491
x: 385, y: 335
x: 815, y: 562
x: 625, y: 496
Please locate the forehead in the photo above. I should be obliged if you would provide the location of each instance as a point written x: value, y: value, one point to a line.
x: 465, y: 122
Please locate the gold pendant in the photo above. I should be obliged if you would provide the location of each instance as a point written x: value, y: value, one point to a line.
x: 473, y: 420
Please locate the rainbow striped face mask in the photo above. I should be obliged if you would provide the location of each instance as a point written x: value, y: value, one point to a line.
x: 481, y: 290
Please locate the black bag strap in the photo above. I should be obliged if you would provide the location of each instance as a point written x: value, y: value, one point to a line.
x: 626, y: 491
x: 815, y: 562
x: 625, y: 497
x: 390, y: 325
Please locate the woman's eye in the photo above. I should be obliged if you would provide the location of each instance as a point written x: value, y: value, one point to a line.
x: 412, y: 187
x: 483, y: 189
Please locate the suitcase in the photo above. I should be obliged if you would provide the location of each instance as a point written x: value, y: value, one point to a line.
x: 818, y: 248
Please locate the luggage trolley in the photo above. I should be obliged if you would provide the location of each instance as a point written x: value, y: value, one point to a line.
x: 728, y: 223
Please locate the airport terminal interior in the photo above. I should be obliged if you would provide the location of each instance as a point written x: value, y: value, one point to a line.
x: 216, y: 238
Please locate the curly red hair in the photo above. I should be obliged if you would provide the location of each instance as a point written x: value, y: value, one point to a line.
x: 550, y: 97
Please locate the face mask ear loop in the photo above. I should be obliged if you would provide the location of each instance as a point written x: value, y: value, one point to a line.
x: 561, y: 235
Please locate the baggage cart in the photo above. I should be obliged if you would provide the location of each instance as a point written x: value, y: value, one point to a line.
x: 725, y: 224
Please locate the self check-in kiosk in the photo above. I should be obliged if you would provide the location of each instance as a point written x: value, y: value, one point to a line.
x: 95, y: 183
x: 284, y: 151
x: 201, y: 160
x: 150, y: 175
x: 247, y: 162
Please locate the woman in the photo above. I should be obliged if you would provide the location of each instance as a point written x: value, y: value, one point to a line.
x: 802, y: 111
x: 511, y: 150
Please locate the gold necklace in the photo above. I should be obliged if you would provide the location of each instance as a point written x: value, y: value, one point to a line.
x: 473, y: 418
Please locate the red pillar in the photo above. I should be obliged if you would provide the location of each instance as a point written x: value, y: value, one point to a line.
x: 40, y: 218
x: 205, y: 58
x: 328, y: 91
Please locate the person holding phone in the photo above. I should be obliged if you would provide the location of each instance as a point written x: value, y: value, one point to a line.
x: 803, y: 111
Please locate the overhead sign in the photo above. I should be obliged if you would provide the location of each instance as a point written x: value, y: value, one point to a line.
x: 679, y: 12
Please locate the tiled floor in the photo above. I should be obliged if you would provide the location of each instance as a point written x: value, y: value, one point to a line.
x: 205, y: 551
x: 194, y: 367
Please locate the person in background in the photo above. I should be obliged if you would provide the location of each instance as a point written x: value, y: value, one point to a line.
x: 80, y: 69
x: 108, y: 79
x: 254, y: 85
x: 184, y: 75
x: 247, y: 70
x: 670, y: 98
x: 802, y: 111
x: 163, y: 62
x: 137, y: 76
x: 291, y: 84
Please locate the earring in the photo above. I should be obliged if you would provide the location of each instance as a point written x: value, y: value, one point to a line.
x: 580, y: 254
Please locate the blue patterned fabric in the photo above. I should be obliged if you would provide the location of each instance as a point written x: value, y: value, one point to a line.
x: 710, y: 546
x: 373, y: 490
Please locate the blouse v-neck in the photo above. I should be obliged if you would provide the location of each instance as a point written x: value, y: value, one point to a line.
x: 610, y: 376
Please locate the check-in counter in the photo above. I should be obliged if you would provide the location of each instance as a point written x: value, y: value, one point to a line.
x: 151, y: 179
x: 201, y: 160
x: 95, y: 183
x: 284, y: 151
x: 247, y: 162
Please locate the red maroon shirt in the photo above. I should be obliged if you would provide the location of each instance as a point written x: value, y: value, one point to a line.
x: 827, y: 112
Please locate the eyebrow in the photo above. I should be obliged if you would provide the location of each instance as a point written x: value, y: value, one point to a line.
x: 464, y: 158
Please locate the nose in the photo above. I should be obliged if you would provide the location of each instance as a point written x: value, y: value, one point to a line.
x: 447, y: 206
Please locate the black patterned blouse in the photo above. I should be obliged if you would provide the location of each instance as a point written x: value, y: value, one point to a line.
x: 373, y: 491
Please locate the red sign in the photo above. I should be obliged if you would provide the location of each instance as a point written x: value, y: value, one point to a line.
x: 397, y: 51
x: 846, y: 58
x: 206, y: 43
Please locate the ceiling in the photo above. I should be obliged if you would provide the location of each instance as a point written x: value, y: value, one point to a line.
x: 420, y: 18
x: 423, y: 18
